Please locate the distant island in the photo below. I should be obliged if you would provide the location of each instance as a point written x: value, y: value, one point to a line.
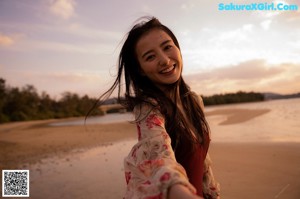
x: 24, y: 104
x: 274, y: 96
x: 231, y: 98
x: 240, y: 97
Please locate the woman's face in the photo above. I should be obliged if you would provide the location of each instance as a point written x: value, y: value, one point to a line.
x: 159, y: 58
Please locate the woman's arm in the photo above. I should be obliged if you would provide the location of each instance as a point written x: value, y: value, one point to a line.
x: 151, y: 168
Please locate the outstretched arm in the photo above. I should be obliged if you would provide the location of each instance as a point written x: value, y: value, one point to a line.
x: 151, y: 168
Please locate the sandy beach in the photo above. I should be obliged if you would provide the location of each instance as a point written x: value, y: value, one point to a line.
x: 29, y: 142
x: 86, y: 161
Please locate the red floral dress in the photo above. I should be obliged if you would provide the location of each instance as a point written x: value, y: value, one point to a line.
x: 151, y: 167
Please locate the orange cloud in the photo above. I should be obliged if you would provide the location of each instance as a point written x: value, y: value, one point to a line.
x: 292, y: 16
x: 253, y: 75
x: 63, y: 8
x: 6, y: 40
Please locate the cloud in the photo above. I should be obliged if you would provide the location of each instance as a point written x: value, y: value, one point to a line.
x: 27, y: 44
x: 56, y: 83
x: 88, y: 32
x: 254, y: 69
x: 266, y: 24
x: 6, y: 40
x: 187, y: 6
x: 68, y: 47
x: 73, y: 37
x: 288, y: 15
x: 294, y: 44
x: 234, y: 36
x: 293, y: 16
x: 253, y: 75
x: 63, y: 8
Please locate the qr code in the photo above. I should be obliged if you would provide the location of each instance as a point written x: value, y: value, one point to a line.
x: 15, y: 183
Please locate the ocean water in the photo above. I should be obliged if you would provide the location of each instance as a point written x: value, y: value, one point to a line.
x: 280, y: 124
x: 105, y: 119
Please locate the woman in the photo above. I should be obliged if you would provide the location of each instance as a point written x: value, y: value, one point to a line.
x: 170, y: 159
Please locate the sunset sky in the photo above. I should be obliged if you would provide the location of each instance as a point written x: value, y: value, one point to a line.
x: 73, y: 45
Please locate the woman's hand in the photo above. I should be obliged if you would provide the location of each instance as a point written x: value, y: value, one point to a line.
x: 179, y: 191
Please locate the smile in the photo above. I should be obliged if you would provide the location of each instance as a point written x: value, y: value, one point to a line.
x: 167, y: 70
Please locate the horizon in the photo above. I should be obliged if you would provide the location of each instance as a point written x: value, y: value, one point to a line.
x: 7, y: 85
x: 70, y: 46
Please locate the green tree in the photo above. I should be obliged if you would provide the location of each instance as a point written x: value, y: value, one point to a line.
x: 3, y: 116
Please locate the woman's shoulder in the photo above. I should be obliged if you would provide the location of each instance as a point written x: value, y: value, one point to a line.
x: 148, y: 104
x: 143, y: 109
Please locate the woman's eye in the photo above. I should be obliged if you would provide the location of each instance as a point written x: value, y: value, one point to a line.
x: 150, y: 57
x: 168, y: 47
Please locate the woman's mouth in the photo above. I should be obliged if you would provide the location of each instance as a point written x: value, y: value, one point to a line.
x: 167, y: 70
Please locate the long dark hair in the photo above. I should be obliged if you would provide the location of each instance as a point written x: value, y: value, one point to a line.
x: 139, y: 89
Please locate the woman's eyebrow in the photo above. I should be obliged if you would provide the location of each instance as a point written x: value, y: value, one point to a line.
x: 162, y: 44
x: 165, y: 42
x: 146, y: 53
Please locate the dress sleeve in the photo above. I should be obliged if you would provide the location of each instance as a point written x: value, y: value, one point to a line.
x: 151, y: 168
x: 211, y: 189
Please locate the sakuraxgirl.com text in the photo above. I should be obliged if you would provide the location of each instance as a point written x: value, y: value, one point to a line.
x: 258, y: 6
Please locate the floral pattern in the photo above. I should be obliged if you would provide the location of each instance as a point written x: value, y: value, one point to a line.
x: 151, y: 167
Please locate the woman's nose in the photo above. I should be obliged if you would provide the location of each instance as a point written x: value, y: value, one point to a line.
x: 163, y: 59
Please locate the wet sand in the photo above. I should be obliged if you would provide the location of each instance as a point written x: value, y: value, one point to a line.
x: 29, y: 142
x: 54, y: 153
x: 257, y: 170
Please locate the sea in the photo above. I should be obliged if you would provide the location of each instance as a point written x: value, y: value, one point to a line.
x: 280, y: 124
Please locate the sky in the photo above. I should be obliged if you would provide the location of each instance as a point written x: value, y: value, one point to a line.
x: 73, y: 45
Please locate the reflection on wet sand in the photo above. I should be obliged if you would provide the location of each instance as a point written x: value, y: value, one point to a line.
x: 89, y: 173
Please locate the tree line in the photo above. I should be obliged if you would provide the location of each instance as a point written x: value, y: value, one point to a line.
x: 230, y: 98
x: 23, y: 104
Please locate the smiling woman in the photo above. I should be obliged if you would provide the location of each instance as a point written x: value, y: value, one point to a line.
x: 170, y: 159
x: 159, y: 58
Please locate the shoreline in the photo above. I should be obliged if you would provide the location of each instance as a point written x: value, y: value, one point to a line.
x: 30, y: 141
